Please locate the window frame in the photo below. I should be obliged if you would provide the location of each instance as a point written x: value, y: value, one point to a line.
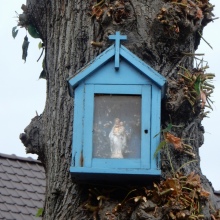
x: 145, y: 91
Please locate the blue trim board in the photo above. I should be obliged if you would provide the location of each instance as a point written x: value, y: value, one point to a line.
x: 93, y: 170
x: 142, y: 66
x: 117, y: 37
x: 127, y: 55
x: 145, y: 125
x: 92, y: 66
x: 77, y: 125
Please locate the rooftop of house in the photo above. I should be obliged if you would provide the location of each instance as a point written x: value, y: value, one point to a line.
x: 22, y: 187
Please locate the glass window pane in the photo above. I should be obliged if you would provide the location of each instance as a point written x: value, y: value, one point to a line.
x: 117, y: 126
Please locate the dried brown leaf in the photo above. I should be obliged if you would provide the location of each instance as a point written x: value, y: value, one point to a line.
x: 174, y: 184
x: 193, y: 180
x: 204, y: 194
x: 184, y: 2
x: 199, y: 13
x: 177, y: 143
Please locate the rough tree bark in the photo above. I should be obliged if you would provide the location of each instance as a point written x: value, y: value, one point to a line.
x: 67, y: 29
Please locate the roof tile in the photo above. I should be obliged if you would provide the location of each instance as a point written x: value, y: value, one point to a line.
x: 23, y: 180
x: 29, y: 166
x: 8, y: 169
x: 15, y: 216
x: 23, y: 194
x: 12, y: 177
x: 18, y: 201
x: 11, y: 192
x: 22, y: 187
x: 1, y: 200
x: 41, y: 182
x: 35, y: 196
x: 39, y: 189
x: 29, y: 217
x: 12, y: 208
x: 28, y: 203
x: 41, y: 197
x: 4, y: 192
x: 29, y: 173
x: 7, y: 215
x: 18, y: 186
x: 38, y: 204
x: 7, y: 199
x: 4, y: 162
x: 18, y: 171
x: 1, y: 184
x: 30, y: 188
x: 13, y: 163
x: 1, y: 169
x: 39, y: 175
x: 3, y: 207
x: 7, y: 184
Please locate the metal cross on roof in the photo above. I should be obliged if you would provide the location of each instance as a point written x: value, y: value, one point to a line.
x: 117, y: 37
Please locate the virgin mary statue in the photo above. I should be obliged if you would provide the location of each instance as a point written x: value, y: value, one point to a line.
x: 118, y: 139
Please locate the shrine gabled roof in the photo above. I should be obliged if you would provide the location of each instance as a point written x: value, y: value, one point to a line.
x: 22, y: 187
x: 106, y: 56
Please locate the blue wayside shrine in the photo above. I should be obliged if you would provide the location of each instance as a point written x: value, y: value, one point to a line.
x: 117, y: 108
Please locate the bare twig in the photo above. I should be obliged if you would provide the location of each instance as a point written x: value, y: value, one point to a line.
x: 205, y: 40
x: 40, y: 55
x: 193, y: 54
x: 96, y: 44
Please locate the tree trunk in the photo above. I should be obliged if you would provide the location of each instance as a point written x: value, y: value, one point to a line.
x: 67, y: 28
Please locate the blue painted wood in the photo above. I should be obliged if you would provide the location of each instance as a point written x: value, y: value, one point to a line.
x: 143, y: 67
x: 103, y: 170
x: 78, y: 126
x: 105, y: 58
x: 91, y: 67
x: 117, y: 37
x: 134, y: 77
x: 88, y: 125
x: 127, y: 74
x: 118, y: 89
x: 155, y: 129
x: 90, y: 91
x: 146, y: 125
x: 116, y: 163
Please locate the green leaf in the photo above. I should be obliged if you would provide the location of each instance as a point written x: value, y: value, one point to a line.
x: 25, y: 48
x: 33, y: 31
x: 159, y: 147
x: 14, y: 32
x: 197, y: 85
x: 168, y: 128
x: 39, y: 212
x: 43, y: 63
x: 43, y: 75
x: 40, y: 45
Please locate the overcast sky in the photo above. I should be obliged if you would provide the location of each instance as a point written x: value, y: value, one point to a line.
x: 22, y: 94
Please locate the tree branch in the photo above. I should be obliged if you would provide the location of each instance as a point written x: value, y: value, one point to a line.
x: 32, y: 137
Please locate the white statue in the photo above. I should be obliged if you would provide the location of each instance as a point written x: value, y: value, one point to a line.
x: 118, y: 140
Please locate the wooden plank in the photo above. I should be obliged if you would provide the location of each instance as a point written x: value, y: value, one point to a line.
x: 88, y: 125
x: 117, y: 37
x: 156, y: 120
x: 77, y: 126
x: 146, y: 125
x: 143, y: 67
